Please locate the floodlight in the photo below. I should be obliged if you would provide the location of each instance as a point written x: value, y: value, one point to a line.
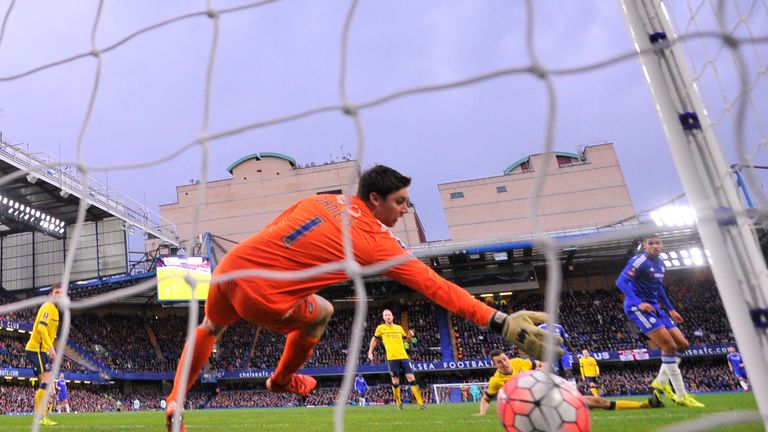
x: 674, y: 216
x: 696, y: 256
x: 64, y: 194
x: 31, y: 178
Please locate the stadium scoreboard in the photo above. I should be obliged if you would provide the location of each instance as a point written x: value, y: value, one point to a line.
x: 173, y: 273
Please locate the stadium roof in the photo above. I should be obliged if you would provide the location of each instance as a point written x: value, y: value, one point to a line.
x: 519, y: 162
x: 260, y: 156
x: 45, y: 184
x: 40, y: 195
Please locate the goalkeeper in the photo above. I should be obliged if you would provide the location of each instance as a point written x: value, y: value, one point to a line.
x: 309, y: 234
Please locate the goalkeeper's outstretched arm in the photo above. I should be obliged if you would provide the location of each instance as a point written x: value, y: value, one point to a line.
x: 520, y: 328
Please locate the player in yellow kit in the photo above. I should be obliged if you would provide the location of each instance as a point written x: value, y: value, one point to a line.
x: 40, y: 351
x: 392, y: 336
x: 590, y: 372
x: 506, y: 368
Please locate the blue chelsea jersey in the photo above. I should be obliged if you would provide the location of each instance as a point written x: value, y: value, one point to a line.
x: 558, y: 331
x: 647, y: 277
x: 735, y: 359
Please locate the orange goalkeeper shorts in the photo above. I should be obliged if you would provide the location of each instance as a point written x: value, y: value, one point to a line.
x: 229, y: 301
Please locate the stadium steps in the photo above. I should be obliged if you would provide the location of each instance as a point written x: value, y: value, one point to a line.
x: 75, y: 356
x: 153, y: 340
x: 447, y: 337
x: 251, y: 351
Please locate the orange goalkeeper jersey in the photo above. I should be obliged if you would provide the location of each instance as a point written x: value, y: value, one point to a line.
x: 309, y: 234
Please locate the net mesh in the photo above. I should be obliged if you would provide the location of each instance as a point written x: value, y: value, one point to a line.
x: 724, y: 38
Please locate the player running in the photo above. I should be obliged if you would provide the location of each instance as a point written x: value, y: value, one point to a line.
x: 736, y: 365
x: 306, y: 235
x: 393, y: 335
x: 40, y: 352
x: 641, y: 281
x: 590, y: 372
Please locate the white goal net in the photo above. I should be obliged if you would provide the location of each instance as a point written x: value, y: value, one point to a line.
x: 142, y: 89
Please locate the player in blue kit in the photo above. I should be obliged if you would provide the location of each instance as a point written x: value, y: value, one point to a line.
x: 641, y: 281
x: 61, y: 391
x: 563, y: 366
x: 736, y: 365
x: 361, y: 387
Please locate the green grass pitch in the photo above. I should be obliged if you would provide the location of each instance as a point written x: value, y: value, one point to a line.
x: 442, y: 418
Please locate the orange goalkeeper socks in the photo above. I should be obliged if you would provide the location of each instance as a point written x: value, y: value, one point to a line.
x: 297, y: 350
x: 204, y: 342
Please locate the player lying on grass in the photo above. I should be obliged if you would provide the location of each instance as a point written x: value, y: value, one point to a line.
x: 309, y: 234
x: 506, y: 368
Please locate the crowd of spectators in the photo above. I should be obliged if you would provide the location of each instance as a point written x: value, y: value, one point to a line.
x: 634, y: 379
x: 616, y: 380
x: 24, y: 315
x: 594, y: 320
x: 234, y: 347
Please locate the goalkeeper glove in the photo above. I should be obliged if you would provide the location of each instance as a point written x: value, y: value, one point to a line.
x: 521, y: 329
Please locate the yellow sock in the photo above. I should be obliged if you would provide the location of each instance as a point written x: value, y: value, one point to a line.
x: 594, y: 391
x: 417, y: 394
x: 39, y: 394
x: 396, y: 391
x: 625, y: 404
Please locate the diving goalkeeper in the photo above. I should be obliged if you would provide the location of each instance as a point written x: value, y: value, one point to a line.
x: 306, y: 235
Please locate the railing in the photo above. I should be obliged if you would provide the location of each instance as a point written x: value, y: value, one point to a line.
x: 69, y: 180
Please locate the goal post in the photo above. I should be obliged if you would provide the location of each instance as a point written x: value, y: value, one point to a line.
x: 458, y: 392
x: 726, y: 230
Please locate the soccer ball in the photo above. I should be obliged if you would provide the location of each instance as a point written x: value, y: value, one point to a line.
x: 537, y: 401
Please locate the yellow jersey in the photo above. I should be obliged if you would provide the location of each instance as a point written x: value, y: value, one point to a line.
x: 498, y: 379
x: 392, y: 336
x: 588, y: 366
x: 45, y: 328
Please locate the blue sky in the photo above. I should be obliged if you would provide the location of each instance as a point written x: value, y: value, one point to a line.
x: 284, y: 58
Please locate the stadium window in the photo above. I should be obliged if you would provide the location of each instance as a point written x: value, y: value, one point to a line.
x: 456, y: 195
x: 501, y: 189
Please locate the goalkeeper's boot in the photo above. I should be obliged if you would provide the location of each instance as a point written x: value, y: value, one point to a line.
x: 666, y: 389
x: 299, y: 384
x: 654, y: 401
x: 423, y: 407
x: 169, y: 422
x: 688, y: 401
